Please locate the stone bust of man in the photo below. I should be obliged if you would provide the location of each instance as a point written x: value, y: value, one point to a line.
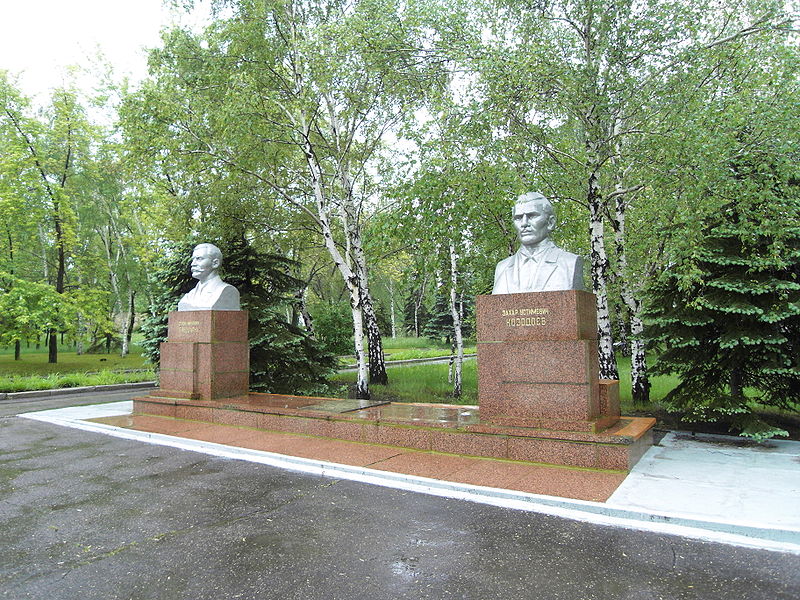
x: 539, y: 265
x: 210, y: 293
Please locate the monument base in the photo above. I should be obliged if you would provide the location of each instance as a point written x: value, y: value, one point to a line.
x: 207, y: 355
x: 452, y: 429
x: 538, y: 363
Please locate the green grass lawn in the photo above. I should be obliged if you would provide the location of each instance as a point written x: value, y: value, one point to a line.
x: 428, y: 383
x: 33, y: 372
x: 407, y: 348
x: 32, y: 363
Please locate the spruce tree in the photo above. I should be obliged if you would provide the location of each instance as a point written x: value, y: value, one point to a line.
x: 440, y: 320
x: 726, y: 315
x: 283, y: 357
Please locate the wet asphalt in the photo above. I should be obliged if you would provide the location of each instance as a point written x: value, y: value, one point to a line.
x: 84, y: 515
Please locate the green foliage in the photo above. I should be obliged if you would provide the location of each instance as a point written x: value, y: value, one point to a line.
x: 283, y: 357
x: 333, y: 326
x: 170, y: 279
x: 727, y: 315
x: 28, y: 308
x: 440, y: 320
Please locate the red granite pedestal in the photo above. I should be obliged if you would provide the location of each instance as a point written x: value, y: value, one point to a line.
x: 537, y: 362
x: 206, y: 357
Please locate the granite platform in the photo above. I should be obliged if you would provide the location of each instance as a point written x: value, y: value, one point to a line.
x: 444, y: 428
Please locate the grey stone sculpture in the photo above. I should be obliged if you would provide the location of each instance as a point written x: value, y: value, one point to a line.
x: 210, y: 293
x: 539, y: 265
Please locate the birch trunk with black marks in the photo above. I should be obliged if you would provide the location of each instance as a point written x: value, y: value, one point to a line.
x: 599, y: 267
x: 349, y: 276
x: 377, y: 361
x: 640, y: 381
x: 352, y: 227
x: 127, y: 329
x: 392, y: 309
x: 308, y: 321
x: 418, y: 305
x: 458, y: 340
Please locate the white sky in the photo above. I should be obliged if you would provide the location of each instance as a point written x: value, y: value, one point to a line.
x: 39, y: 38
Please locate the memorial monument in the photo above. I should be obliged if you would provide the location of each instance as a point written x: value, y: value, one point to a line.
x: 539, y: 396
x: 206, y: 355
x: 537, y: 335
x: 210, y: 293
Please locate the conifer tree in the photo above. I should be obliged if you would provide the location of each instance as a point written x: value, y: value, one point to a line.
x: 726, y: 315
x: 440, y: 320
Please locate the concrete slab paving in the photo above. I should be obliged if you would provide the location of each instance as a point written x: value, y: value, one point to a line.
x: 683, y: 486
x: 718, y: 477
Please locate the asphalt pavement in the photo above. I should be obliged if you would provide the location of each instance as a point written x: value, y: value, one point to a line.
x: 88, y: 515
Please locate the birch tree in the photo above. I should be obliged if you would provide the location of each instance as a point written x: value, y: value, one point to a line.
x: 299, y: 97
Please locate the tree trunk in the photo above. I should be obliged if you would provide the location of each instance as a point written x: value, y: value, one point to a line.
x: 736, y: 383
x: 308, y: 321
x: 17, y: 350
x: 377, y: 361
x: 354, y: 249
x: 79, y: 335
x: 417, y: 307
x: 599, y: 263
x: 127, y: 331
x: 457, y: 336
x: 52, y: 347
x: 350, y: 277
x: 640, y: 381
x: 362, y: 386
x: 391, y: 308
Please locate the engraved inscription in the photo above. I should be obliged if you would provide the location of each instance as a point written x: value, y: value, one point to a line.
x: 524, y: 312
x: 526, y: 317
x: 188, y: 326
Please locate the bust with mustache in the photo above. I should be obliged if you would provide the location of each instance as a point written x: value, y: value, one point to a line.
x: 210, y: 293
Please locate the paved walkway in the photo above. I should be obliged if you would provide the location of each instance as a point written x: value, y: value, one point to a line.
x: 98, y: 517
x: 708, y: 487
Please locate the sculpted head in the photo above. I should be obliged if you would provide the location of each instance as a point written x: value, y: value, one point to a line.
x: 534, y: 218
x: 206, y: 260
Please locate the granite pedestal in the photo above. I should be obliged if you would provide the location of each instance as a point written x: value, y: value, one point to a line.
x: 537, y: 362
x: 206, y: 355
x: 554, y: 413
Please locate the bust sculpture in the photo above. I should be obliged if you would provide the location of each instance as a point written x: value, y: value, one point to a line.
x: 210, y: 293
x: 539, y: 265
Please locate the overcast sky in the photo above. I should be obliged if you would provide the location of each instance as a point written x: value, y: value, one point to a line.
x: 39, y: 38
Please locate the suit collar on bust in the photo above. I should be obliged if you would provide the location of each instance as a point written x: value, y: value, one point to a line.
x: 537, y: 253
x: 211, y: 282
